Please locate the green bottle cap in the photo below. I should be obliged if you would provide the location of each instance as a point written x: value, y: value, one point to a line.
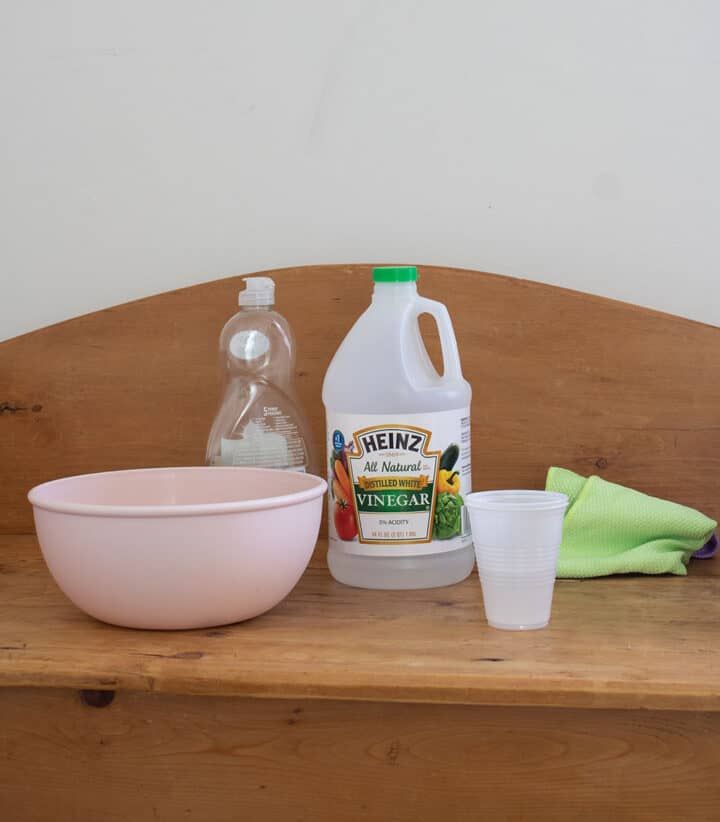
x: 395, y: 274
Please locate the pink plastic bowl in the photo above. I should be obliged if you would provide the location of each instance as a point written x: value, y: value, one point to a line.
x: 178, y: 547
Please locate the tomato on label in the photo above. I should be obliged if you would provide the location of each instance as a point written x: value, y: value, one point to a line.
x: 345, y: 524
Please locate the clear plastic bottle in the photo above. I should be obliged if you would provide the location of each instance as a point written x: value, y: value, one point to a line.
x: 259, y: 422
x: 399, y: 446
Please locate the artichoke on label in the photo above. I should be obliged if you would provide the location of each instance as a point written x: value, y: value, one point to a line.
x: 448, y: 515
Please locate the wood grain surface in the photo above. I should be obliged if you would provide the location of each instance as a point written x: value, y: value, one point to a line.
x: 559, y: 377
x: 612, y: 643
x: 449, y: 719
x: 148, y: 758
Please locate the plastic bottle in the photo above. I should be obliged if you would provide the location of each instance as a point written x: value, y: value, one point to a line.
x: 399, y: 446
x: 259, y: 422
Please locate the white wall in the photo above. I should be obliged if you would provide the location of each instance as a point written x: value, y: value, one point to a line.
x: 146, y: 145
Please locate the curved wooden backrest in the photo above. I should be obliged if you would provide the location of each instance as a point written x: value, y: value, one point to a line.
x: 558, y: 377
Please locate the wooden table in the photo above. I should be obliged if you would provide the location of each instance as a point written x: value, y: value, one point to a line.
x: 341, y: 704
x: 344, y: 704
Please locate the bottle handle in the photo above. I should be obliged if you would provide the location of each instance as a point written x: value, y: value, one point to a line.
x: 450, y: 354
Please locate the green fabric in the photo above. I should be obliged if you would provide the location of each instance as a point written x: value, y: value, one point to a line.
x: 610, y: 529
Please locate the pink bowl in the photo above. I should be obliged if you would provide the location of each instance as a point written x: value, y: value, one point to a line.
x: 178, y: 547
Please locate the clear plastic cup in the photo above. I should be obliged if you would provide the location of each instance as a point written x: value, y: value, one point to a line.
x: 517, y: 537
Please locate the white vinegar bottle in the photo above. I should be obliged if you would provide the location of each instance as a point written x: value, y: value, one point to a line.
x: 259, y: 422
x: 398, y: 446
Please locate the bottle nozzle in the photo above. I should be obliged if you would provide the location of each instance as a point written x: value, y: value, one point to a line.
x: 258, y: 291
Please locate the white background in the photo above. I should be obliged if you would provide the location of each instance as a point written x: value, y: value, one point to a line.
x: 147, y: 145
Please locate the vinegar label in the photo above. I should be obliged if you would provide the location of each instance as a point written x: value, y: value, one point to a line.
x: 397, y: 483
x: 393, y: 479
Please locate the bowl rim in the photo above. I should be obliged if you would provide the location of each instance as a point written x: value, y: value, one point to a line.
x: 35, y: 496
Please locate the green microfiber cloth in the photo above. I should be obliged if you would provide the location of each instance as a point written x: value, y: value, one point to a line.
x: 610, y: 529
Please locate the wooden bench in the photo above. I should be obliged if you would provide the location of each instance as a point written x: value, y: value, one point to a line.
x: 344, y: 704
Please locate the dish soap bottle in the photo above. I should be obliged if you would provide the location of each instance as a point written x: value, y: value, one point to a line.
x: 259, y: 422
x: 399, y: 446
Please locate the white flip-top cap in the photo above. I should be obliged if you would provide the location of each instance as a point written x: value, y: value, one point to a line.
x: 258, y: 291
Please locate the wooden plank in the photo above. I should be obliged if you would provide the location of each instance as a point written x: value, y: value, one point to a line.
x: 559, y: 378
x: 613, y: 643
x: 147, y: 758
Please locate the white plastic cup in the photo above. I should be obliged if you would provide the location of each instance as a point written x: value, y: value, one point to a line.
x: 517, y: 536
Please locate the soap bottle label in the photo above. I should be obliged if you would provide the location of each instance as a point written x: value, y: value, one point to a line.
x: 271, y: 439
x: 397, y: 482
